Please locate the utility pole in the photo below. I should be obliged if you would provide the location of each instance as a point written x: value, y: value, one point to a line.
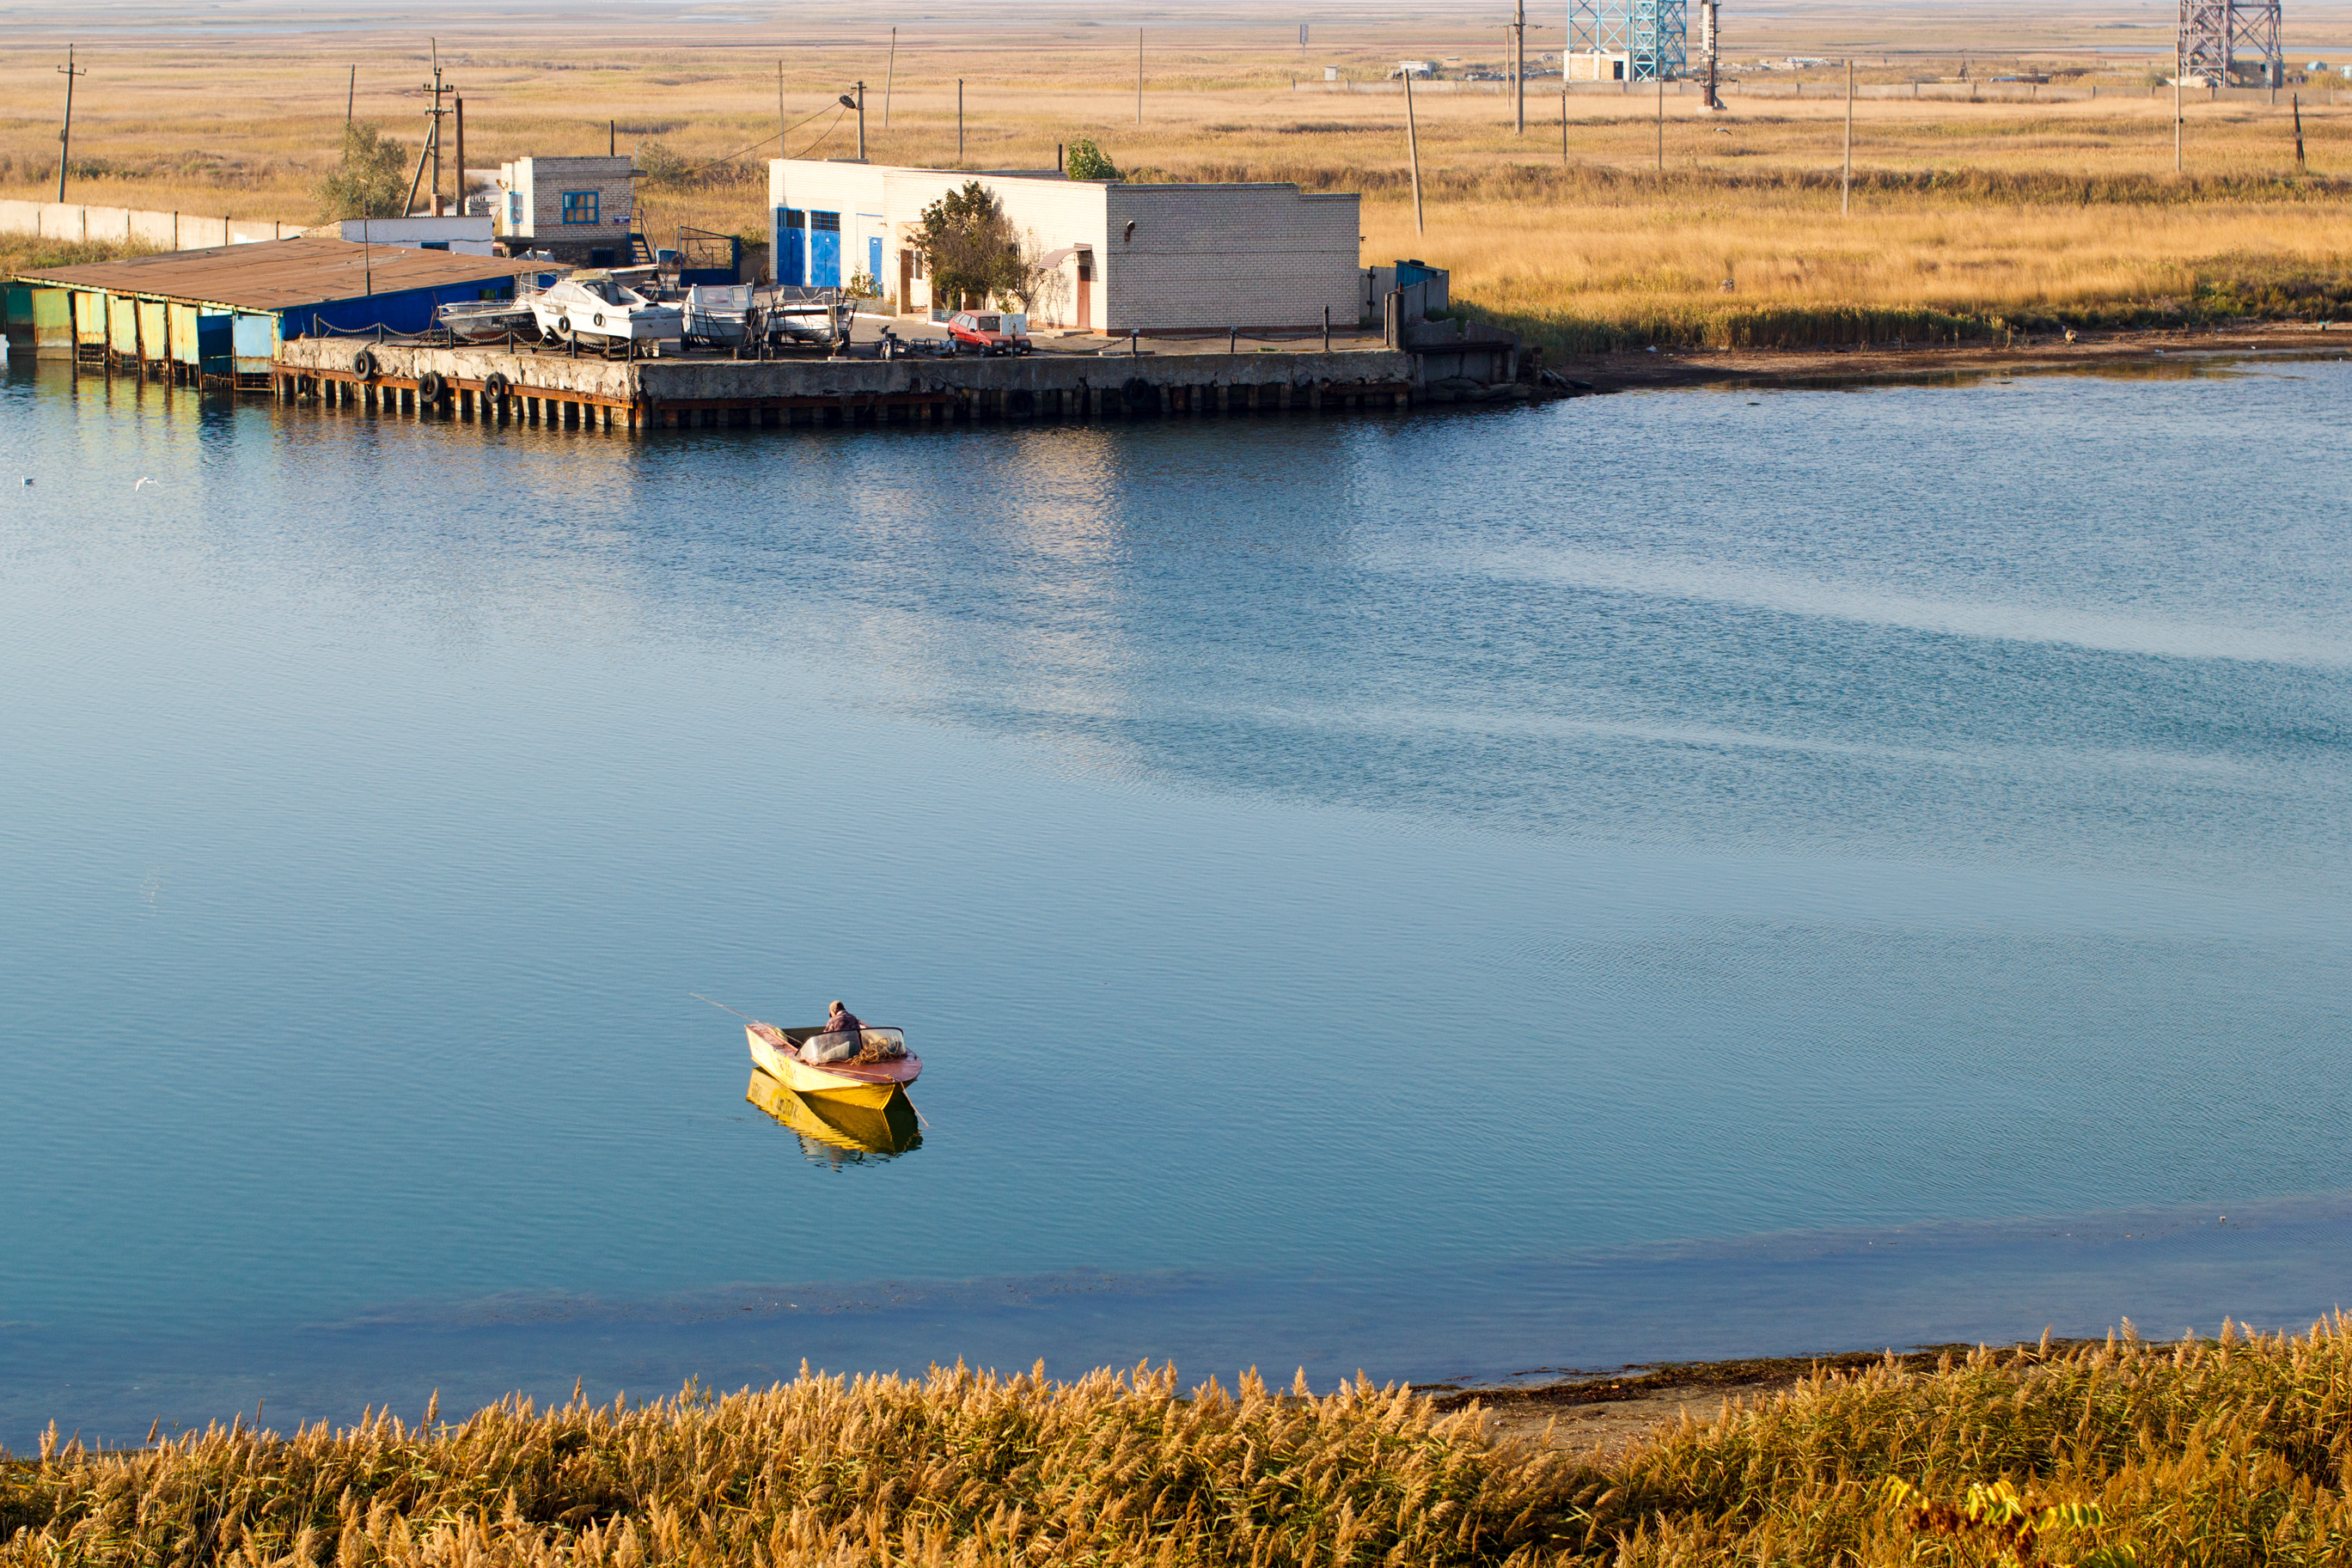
x: 1662, y: 117
x: 1138, y: 76
x: 1519, y: 63
x: 460, y: 192
x: 781, y: 131
x: 1413, y: 147
x: 861, y: 122
x: 1563, y: 109
x: 437, y: 87
x: 2176, y: 115
x: 1846, y: 185
x: 350, y: 97
x: 1710, y: 19
x: 65, y: 137
x: 423, y: 156
x: 2298, y: 134
x: 889, y: 77
x: 959, y: 121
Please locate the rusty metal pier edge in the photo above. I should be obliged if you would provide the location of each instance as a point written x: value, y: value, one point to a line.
x: 499, y: 387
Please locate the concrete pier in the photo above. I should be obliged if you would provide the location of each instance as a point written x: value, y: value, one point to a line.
x: 499, y: 384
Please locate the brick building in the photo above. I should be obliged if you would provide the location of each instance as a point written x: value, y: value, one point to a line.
x: 1118, y: 257
x: 581, y: 211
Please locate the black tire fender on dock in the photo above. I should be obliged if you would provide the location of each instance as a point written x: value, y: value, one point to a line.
x: 1139, y: 393
x: 1020, y: 403
x: 431, y: 387
x: 363, y: 365
x: 496, y: 385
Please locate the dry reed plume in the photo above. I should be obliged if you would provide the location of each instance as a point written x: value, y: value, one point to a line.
x: 2221, y: 1452
x: 964, y: 1468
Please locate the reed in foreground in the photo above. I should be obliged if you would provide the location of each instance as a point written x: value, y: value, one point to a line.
x: 2222, y: 1452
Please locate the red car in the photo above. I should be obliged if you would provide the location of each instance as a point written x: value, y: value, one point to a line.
x: 985, y: 333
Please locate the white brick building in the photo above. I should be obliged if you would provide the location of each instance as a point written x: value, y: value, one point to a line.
x: 462, y: 237
x: 579, y: 210
x: 1123, y: 256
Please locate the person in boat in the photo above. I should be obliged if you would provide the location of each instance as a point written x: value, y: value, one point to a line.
x: 838, y: 1041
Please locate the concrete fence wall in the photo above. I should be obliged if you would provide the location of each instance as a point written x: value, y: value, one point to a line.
x: 1542, y: 90
x: 164, y: 231
x: 1421, y: 87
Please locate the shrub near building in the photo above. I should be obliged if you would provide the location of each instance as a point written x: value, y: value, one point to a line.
x: 969, y: 248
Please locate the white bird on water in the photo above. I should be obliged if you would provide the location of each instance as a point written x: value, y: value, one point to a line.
x: 143, y: 484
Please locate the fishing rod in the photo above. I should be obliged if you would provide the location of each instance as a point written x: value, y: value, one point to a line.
x: 722, y: 1007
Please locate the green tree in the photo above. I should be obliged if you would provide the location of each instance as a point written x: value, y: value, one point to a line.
x: 969, y: 247
x: 1088, y: 161
x: 660, y: 166
x: 372, y: 182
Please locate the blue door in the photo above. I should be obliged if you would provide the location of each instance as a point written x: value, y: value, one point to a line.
x: 825, y: 250
x: 215, y: 345
x: 792, y: 246
x: 874, y: 259
x: 253, y: 344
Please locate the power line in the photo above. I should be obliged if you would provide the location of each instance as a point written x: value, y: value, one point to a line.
x: 778, y: 139
x: 823, y: 136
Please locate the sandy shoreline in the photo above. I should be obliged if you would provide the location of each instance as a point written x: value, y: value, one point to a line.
x: 2182, y: 351
x: 1602, y: 1412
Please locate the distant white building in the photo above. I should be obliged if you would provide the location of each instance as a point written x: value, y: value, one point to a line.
x: 578, y: 210
x: 1419, y: 70
x: 1118, y: 257
x: 461, y: 237
x: 1594, y: 65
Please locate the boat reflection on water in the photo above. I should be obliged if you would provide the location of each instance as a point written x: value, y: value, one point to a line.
x: 836, y: 1133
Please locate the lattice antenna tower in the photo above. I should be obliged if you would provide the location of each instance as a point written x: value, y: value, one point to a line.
x: 2213, y: 33
x: 1653, y: 35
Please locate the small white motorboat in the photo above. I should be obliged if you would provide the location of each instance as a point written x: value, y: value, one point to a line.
x: 486, y: 320
x: 717, y: 316
x: 589, y: 307
x: 789, y: 316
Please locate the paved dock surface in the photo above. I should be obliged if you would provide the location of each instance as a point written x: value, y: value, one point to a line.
x: 1180, y: 376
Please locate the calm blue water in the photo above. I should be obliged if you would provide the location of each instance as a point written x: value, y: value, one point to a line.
x: 1444, y: 895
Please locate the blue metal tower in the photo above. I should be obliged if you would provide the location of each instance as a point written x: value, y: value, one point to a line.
x: 1653, y: 35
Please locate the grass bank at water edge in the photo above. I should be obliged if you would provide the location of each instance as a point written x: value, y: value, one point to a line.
x: 2217, y: 292
x: 2222, y: 1452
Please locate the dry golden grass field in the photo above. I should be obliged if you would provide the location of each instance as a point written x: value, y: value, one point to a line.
x: 1965, y: 217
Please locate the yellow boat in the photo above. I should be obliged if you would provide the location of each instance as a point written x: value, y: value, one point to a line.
x: 859, y: 1129
x: 867, y: 1084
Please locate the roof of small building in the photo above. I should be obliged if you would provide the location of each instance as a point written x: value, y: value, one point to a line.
x: 1058, y: 177
x: 283, y: 274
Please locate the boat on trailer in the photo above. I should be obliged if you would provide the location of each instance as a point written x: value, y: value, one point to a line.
x: 586, y: 306
x: 486, y: 320
x: 865, y: 1082
x: 715, y: 316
